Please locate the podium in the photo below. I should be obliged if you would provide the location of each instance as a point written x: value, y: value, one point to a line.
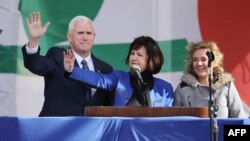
x: 129, y: 111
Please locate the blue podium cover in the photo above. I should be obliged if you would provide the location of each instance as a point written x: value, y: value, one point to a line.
x: 110, y: 128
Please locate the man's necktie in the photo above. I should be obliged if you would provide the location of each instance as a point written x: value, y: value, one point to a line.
x: 84, y: 64
x: 88, y: 89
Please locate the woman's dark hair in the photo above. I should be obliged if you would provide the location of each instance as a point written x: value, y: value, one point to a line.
x: 155, y: 56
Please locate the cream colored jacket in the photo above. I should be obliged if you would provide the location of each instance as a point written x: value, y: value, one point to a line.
x: 191, y: 93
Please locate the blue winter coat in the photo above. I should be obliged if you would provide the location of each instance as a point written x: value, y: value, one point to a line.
x: 118, y: 83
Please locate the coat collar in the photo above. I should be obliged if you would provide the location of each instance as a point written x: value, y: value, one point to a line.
x: 223, y: 79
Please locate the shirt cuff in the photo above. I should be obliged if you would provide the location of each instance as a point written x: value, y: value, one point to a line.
x: 31, y: 50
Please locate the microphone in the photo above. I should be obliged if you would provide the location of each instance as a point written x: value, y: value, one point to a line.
x: 189, y: 101
x: 136, y: 72
x: 210, y: 56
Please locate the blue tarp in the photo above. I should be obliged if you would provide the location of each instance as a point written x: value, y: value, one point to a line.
x: 110, y: 128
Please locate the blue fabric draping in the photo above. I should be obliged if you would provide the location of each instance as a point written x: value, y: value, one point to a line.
x: 110, y: 128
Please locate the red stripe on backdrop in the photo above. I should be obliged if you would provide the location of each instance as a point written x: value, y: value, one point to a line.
x: 227, y: 22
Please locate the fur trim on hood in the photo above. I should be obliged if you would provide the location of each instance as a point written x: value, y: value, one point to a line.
x: 223, y: 79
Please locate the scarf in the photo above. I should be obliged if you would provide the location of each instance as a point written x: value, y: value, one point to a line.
x: 141, y: 90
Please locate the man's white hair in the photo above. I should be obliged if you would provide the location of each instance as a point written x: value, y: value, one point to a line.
x: 78, y: 18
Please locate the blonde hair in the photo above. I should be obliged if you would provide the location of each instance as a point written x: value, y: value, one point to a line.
x: 217, y: 64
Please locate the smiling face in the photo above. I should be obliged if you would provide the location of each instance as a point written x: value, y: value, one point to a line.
x: 138, y: 57
x: 200, y: 64
x: 81, y: 37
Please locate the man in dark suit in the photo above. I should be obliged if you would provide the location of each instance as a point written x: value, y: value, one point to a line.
x: 65, y: 97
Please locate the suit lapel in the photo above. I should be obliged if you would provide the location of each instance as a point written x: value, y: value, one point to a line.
x: 96, y: 64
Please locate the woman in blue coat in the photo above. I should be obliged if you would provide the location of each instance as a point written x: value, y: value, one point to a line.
x: 135, y: 88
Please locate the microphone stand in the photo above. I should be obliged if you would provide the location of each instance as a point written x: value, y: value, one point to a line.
x: 213, y: 108
x: 141, y: 85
